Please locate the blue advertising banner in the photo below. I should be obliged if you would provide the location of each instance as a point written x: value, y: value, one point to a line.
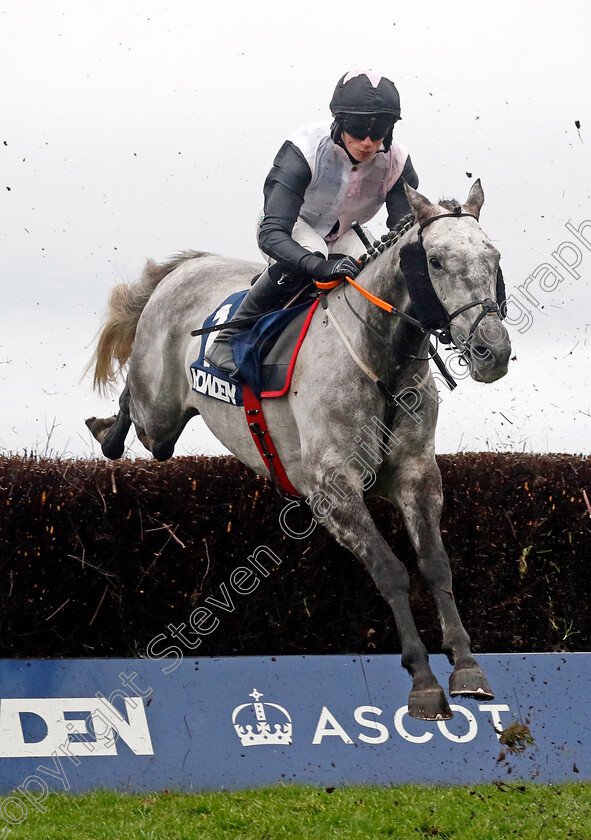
x: 210, y: 724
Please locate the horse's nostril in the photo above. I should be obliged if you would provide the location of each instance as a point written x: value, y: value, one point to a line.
x: 481, y: 353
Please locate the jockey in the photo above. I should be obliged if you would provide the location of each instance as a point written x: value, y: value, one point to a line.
x: 325, y: 177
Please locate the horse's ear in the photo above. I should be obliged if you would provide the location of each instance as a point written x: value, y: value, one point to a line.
x: 420, y: 206
x: 475, y: 199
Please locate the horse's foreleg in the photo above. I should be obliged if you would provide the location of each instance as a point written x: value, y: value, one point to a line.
x: 161, y: 450
x: 417, y: 492
x: 112, y: 431
x: 349, y: 521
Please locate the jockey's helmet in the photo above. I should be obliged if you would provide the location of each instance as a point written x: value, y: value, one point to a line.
x: 365, y: 103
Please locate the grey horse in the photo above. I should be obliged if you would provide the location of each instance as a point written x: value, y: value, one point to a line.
x: 359, y: 419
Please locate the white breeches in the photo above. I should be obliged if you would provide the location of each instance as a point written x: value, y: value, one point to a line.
x: 349, y: 243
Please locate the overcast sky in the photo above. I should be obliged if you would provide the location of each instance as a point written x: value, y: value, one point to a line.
x: 138, y: 129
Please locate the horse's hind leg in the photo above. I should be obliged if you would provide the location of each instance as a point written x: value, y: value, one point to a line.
x: 416, y: 491
x: 112, y: 431
x: 350, y: 522
x: 163, y: 431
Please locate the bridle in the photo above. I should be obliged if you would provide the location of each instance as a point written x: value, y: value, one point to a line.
x: 489, y: 306
x: 443, y: 334
x: 423, y: 225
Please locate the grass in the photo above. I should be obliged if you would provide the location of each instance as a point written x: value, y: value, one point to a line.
x: 485, y: 812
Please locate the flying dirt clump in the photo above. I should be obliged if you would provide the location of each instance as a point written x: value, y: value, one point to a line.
x: 515, y: 739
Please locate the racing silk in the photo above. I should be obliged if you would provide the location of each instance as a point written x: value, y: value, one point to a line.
x: 313, y: 179
x: 341, y: 191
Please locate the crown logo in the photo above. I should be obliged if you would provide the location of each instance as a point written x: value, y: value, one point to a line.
x: 260, y: 731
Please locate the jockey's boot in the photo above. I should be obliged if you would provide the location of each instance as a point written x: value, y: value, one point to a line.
x: 270, y: 291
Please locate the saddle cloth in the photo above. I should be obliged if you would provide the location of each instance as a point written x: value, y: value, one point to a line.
x: 265, y: 355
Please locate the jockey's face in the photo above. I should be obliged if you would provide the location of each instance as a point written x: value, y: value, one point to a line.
x: 361, y: 150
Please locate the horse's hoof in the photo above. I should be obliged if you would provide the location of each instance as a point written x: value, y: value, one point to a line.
x: 112, y: 451
x: 163, y: 451
x: 99, y: 426
x: 429, y: 704
x: 470, y: 682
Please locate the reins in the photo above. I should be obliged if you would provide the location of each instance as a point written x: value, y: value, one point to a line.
x: 442, y: 334
x: 387, y: 307
x: 489, y: 306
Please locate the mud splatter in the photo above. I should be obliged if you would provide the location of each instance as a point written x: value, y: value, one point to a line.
x: 515, y: 739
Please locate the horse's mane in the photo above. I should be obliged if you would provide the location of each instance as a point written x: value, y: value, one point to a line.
x: 403, y: 222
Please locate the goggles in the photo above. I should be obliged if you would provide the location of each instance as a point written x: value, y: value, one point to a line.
x: 374, y: 127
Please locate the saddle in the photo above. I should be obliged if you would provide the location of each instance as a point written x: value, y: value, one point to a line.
x: 265, y: 354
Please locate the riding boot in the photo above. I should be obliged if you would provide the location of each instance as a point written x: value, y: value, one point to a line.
x: 271, y: 290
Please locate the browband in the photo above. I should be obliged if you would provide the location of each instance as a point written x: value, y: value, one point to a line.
x: 442, y: 216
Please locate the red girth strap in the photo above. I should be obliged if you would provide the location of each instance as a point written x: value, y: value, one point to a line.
x: 264, y: 443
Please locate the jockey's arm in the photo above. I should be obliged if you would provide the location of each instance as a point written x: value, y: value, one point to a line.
x: 285, y: 189
x: 396, y: 200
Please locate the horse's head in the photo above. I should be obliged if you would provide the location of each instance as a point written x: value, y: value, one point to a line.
x: 454, y: 280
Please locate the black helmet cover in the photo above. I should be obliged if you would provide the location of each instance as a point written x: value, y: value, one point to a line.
x: 364, y: 93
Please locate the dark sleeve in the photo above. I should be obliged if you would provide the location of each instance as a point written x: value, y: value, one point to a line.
x: 396, y: 200
x: 285, y: 188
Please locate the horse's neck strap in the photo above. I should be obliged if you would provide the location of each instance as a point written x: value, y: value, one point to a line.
x: 359, y: 362
x: 441, y: 216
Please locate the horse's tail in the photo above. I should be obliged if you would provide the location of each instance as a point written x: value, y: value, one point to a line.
x: 126, y: 304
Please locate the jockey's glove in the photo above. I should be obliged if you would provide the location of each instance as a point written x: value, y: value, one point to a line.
x: 333, y: 269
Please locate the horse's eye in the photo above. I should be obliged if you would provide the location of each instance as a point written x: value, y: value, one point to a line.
x: 434, y: 262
